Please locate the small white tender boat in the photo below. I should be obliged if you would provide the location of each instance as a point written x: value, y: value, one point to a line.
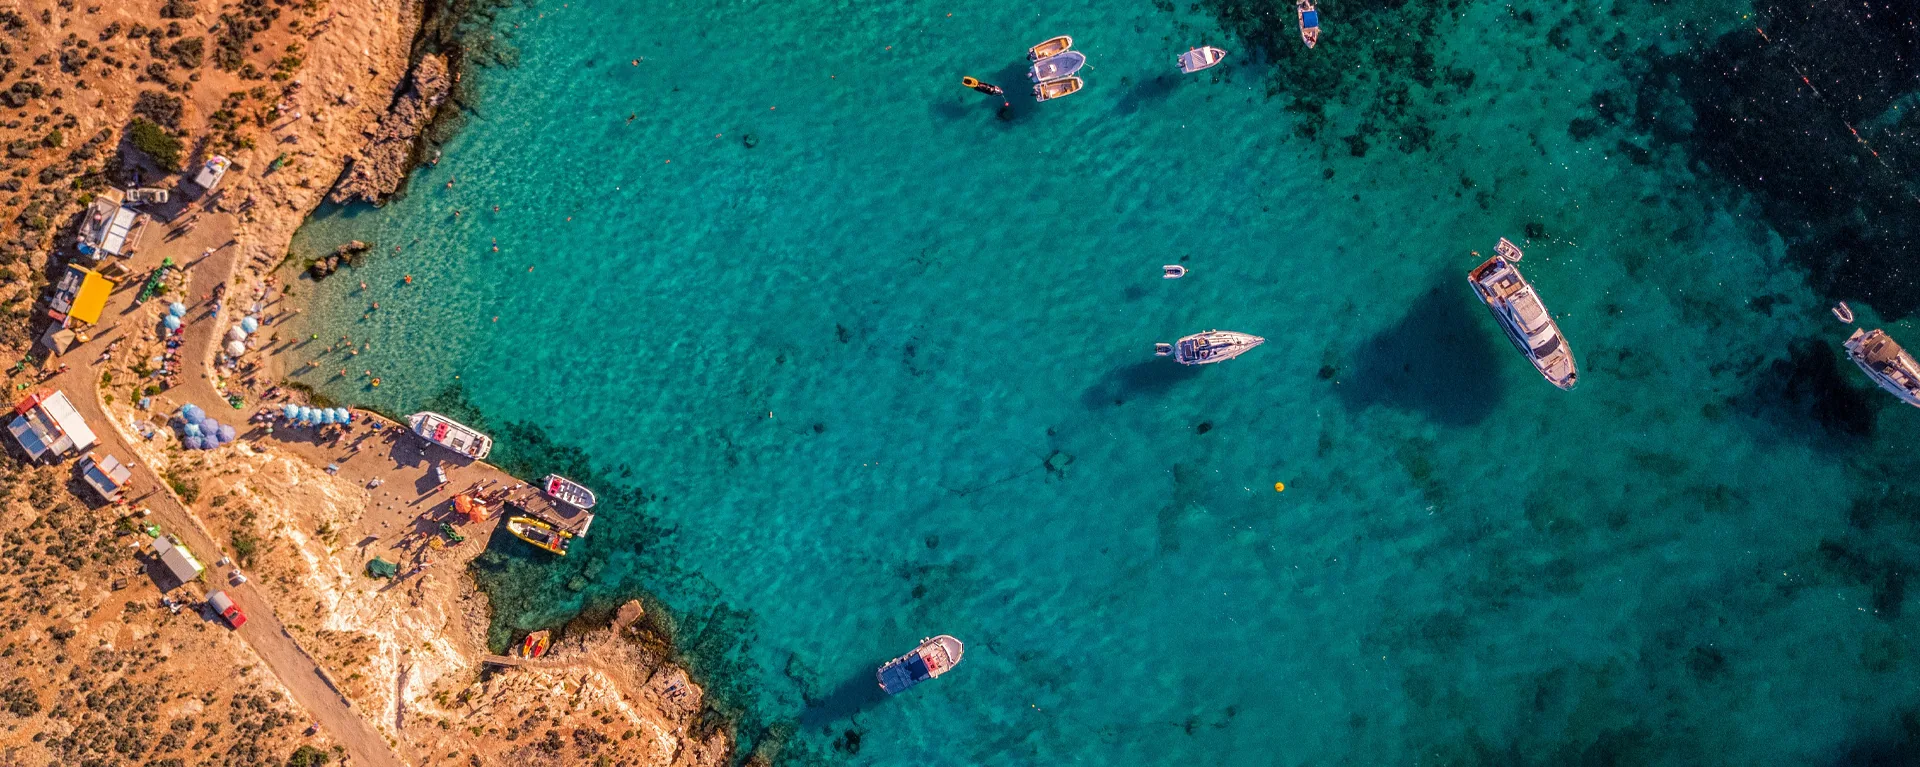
x: 1172, y: 272
x: 1203, y: 57
x: 1057, y: 67
x: 1843, y: 312
x: 568, y: 491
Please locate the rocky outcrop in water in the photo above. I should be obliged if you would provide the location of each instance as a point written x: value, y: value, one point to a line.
x: 381, y: 166
x: 345, y: 255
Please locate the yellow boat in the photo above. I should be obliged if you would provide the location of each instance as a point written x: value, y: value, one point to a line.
x: 1053, y: 47
x: 540, y: 534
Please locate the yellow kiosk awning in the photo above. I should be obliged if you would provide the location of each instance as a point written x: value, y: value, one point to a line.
x: 92, y: 298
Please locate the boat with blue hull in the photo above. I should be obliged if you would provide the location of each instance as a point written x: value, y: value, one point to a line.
x: 934, y: 656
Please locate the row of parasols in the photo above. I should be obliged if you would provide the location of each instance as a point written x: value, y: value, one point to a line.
x: 304, y: 414
x: 236, y: 335
x: 198, y: 431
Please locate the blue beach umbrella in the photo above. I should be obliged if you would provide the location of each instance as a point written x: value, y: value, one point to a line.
x: 327, y: 416
x: 342, y: 415
x: 177, y: 310
x: 290, y: 410
x: 227, y: 433
x: 191, y: 443
x: 172, y: 322
x: 249, y: 324
x: 191, y: 429
x: 191, y: 412
x: 306, y: 414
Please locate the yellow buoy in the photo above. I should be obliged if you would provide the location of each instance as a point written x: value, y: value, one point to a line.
x: 1279, y: 487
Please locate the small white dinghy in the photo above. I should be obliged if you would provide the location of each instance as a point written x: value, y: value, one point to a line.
x: 1203, y: 57
x: 1172, y: 272
x: 1843, y: 312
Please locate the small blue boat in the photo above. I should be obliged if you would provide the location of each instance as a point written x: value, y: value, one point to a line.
x: 934, y: 656
x: 1057, y: 67
x: 1309, y: 22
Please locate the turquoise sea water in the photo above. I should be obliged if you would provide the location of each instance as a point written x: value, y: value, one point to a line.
x: 854, y: 359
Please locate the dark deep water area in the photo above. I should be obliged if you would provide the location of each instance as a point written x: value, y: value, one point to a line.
x: 854, y: 356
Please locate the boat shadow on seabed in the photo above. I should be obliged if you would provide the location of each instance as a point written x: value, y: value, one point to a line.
x: 853, y: 696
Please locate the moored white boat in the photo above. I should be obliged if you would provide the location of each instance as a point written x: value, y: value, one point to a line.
x: 1209, y: 347
x: 1052, y: 47
x: 1056, y: 67
x: 1519, y: 311
x: 1203, y: 57
x: 934, y: 656
x: 1054, y: 89
x: 1884, y: 361
x: 1309, y: 22
x: 568, y: 491
x: 450, y: 434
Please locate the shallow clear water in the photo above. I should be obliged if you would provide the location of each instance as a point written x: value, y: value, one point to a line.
x: 853, y: 360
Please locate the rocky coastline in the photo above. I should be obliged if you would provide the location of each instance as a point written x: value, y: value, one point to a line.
x: 380, y: 168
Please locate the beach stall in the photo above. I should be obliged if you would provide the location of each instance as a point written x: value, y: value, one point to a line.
x: 80, y: 296
x: 178, y: 559
x: 48, y: 426
x: 109, y: 227
x: 107, y: 476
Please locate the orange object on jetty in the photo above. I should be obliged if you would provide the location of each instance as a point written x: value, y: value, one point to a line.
x: 474, y: 510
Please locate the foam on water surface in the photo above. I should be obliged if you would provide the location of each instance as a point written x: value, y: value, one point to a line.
x: 851, y: 360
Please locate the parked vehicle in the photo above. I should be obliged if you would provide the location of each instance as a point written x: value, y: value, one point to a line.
x: 224, y: 605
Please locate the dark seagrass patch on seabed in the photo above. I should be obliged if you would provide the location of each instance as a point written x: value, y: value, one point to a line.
x: 1811, y: 393
x: 1385, y: 67
x: 1828, y: 157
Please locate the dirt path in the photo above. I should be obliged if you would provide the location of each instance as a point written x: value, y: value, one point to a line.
x: 302, y: 676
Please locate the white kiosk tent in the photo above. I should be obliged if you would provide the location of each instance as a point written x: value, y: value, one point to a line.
x: 178, y: 559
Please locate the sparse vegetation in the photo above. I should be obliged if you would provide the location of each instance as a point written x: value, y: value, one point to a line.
x: 156, y: 143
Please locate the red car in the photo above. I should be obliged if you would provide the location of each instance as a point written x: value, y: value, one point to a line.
x: 224, y: 605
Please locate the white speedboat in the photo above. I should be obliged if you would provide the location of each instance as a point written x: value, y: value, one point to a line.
x: 568, y: 491
x: 450, y: 434
x: 1203, y: 57
x: 1057, y: 67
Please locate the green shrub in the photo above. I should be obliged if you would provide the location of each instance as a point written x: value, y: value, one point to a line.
x: 154, y: 141
x: 187, y: 489
x: 307, y: 756
x: 244, y: 547
x: 189, y: 51
x: 159, y: 107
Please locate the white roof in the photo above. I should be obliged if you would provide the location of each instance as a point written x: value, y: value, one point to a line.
x: 107, y: 475
x: 178, y: 559
x: 211, y: 173
x: 52, y: 425
x: 115, y: 237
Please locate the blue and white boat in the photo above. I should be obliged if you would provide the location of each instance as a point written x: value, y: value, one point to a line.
x: 934, y: 656
x: 1057, y: 67
x: 1309, y: 22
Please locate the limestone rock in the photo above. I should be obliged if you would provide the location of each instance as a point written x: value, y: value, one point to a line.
x: 380, y: 167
